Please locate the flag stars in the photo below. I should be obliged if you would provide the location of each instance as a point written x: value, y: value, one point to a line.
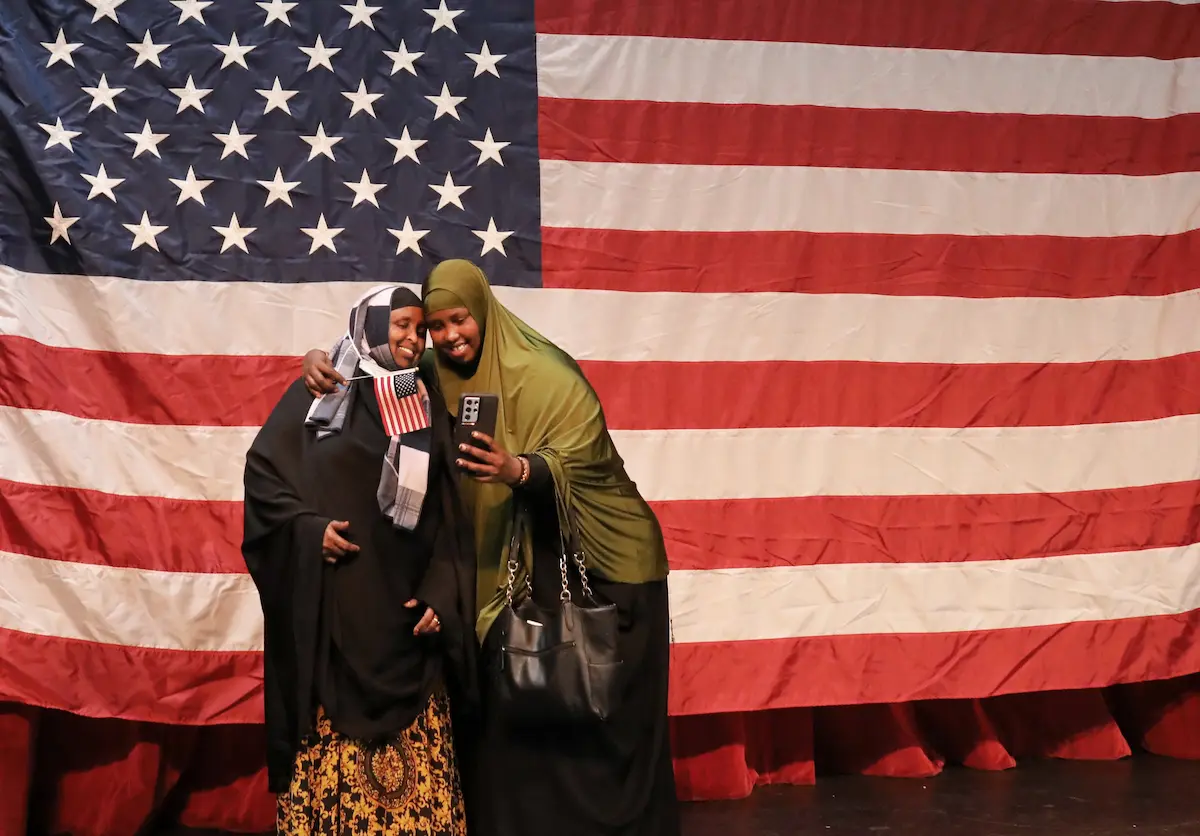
x: 191, y: 10
x: 364, y: 190
x: 59, y: 225
x: 449, y: 193
x: 443, y: 18
x: 234, y: 52
x: 277, y: 10
x: 190, y: 96
x: 322, y: 235
x: 489, y: 149
x: 322, y: 144
x: 58, y: 135
x: 60, y: 50
x: 360, y: 12
x: 408, y: 238
x: 146, y: 140
x: 235, y: 142
x: 485, y: 61
x: 363, y: 101
x: 102, y: 184
x: 319, y: 55
x: 406, y: 146
x: 277, y: 98
x: 145, y: 233
x: 278, y: 189
x: 103, y: 95
x: 190, y: 188
x: 492, y: 238
x: 147, y: 50
x: 445, y: 103
x: 402, y: 59
x: 234, y: 234
x: 105, y: 8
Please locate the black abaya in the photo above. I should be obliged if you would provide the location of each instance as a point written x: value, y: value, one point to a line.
x: 611, y: 779
x: 339, y: 634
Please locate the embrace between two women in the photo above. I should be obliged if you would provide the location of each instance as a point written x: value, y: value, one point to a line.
x: 380, y: 562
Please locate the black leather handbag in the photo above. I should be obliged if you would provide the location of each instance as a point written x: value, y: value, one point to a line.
x: 560, y: 665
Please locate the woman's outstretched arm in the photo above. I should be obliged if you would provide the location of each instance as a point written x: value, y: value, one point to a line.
x: 320, y: 377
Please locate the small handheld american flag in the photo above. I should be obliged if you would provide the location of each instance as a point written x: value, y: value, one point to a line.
x: 400, y: 403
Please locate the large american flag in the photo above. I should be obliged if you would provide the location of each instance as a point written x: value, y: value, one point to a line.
x: 892, y: 307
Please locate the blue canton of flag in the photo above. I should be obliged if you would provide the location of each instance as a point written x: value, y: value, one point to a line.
x: 271, y: 141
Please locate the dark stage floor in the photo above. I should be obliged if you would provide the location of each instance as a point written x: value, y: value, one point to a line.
x: 1140, y: 796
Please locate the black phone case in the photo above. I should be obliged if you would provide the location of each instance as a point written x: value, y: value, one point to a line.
x: 476, y: 413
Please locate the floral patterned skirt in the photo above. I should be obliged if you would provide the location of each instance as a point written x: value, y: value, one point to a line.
x: 407, y: 784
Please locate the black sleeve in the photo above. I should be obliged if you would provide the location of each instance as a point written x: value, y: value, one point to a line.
x: 540, y: 481
x: 281, y: 544
x: 275, y: 507
x: 449, y: 582
x: 443, y: 586
x: 440, y: 587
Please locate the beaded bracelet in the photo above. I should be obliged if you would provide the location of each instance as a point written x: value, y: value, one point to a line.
x: 524, y: 470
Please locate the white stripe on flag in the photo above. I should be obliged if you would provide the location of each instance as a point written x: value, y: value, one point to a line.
x: 110, y: 314
x: 385, y: 394
x: 711, y: 198
x: 206, y: 463
x: 183, y: 611
x: 132, y: 607
x: 864, y: 599
x: 655, y: 69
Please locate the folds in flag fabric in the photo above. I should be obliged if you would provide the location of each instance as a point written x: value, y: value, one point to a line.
x: 891, y: 308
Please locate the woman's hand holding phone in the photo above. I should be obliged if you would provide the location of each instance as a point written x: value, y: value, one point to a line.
x: 490, y: 462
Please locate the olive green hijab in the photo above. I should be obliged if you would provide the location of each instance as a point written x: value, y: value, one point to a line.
x: 547, y: 408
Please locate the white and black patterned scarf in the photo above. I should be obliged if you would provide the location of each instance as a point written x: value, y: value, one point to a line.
x: 364, y: 349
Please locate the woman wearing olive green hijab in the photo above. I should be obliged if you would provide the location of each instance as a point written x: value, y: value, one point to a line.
x: 614, y: 778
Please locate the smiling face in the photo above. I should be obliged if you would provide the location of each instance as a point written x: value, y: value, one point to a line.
x: 406, y: 336
x: 456, y: 335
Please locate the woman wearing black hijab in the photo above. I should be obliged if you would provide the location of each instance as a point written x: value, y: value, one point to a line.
x: 365, y: 567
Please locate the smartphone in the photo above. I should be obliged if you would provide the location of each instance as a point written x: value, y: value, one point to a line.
x: 477, y: 413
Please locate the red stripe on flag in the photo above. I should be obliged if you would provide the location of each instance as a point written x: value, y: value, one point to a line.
x: 646, y: 396
x: 892, y: 265
x: 691, y: 133
x: 163, y: 686
x: 131, y: 683
x: 1078, y: 27
x: 89, y: 527
x: 388, y: 408
x: 400, y: 415
x: 810, y: 530
x: 413, y: 413
x: 713, y: 678
x: 659, y: 395
x: 135, y: 532
x: 396, y: 410
x: 197, y: 390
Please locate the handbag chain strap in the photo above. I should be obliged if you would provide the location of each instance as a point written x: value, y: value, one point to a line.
x: 576, y: 550
x: 577, y: 556
x: 514, y: 550
x: 583, y: 576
